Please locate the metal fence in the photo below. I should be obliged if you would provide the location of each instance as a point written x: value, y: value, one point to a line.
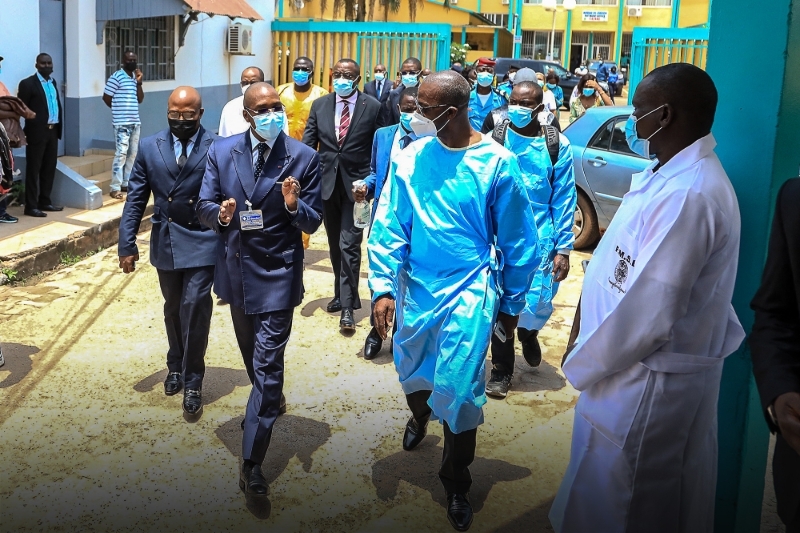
x: 655, y: 47
x: 366, y: 42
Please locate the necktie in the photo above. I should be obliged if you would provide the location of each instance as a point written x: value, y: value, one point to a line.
x: 183, y: 157
x: 344, y: 122
x: 405, y: 141
x: 380, y: 86
x: 262, y: 148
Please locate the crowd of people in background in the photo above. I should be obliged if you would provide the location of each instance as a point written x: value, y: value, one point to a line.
x: 470, y: 234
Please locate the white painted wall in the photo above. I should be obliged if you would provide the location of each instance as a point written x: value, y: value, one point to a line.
x: 201, y: 62
x: 19, y: 40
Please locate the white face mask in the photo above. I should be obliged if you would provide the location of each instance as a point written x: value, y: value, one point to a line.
x: 425, y: 127
x: 545, y: 117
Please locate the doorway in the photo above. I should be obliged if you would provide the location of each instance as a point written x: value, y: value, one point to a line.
x: 577, y: 54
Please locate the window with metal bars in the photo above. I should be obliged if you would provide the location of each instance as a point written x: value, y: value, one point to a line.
x: 596, y: 2
x: 536, y: 45
x: 649, y: 3
x: 498, y: 19
x: 151, y: 39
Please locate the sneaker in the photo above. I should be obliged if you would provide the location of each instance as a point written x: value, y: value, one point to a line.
x: 8, y: 219
x: 531, y: 351
x: 499, y: 384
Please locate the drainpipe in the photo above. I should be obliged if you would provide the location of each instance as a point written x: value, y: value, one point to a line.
x: 618, y: 46
x: 568, y: 41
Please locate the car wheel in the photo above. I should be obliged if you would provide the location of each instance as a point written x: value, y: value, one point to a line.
x: 585, y: 227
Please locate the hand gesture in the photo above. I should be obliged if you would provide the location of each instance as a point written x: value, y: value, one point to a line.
x: 787, y: 411
x: 138, y: 74
x: 291, y: 192
x: 384, y: 315
x: 360, y: 193
x: 128, y: 263
x: 591, y: 84
x: 226, y: 211
x: 560, y: 268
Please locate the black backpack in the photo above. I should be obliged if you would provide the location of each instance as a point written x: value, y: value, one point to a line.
x: 551, y: 135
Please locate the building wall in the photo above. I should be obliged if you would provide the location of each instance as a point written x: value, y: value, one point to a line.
x: 693, y: 13
x: 19, y: 42
x: 201, y: 63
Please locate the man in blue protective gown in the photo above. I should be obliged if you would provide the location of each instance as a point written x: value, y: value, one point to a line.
x: 456, y: 223
x: 484, y: 98
x: 545, y: 157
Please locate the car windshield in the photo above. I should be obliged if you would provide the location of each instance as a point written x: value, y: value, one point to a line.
x: 561, y: 71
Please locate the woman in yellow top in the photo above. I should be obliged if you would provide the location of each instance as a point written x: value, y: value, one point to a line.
x: 298, y: 96
x: 590, y: 94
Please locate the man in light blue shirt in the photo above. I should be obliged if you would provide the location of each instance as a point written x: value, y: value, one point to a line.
x: 123, y: 94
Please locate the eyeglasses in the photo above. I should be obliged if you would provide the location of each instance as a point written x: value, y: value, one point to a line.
x: 186, y: 115
x: 345, y: 75
x: 422, y: 109
x: 260, y: 112
x: 304, y: 69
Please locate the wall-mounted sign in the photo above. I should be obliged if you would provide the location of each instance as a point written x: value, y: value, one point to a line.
x: 595, y: 16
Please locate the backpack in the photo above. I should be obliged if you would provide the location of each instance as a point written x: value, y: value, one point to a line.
x: 551, y: 137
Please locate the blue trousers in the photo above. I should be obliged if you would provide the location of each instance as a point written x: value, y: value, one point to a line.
x: 187, y: 317
x: 262, y: 339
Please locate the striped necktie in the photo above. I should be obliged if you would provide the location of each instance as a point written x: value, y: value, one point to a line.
x: 344, y: 122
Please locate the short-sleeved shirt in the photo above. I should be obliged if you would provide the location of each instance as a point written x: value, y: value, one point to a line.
x: 122, y: 89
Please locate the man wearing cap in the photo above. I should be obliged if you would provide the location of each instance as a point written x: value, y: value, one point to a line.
x: 483, y: 97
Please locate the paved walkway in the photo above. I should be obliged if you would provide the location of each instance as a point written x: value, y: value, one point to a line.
x: 89, y: 442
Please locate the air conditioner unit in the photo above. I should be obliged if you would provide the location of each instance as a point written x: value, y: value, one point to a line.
x: 505, y: 2
x: 240, y: 39
x: 453, y: 2
x: 635, y: 11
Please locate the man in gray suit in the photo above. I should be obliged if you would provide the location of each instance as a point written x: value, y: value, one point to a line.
x: 171, y: 165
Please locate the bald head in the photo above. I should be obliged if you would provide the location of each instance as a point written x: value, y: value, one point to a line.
x: 258, y: 92
x: 446, y: 87
x: 185, y: 96
x: 252, y: 75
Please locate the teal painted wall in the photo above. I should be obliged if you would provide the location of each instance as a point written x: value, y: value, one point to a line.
x: 759, y: 155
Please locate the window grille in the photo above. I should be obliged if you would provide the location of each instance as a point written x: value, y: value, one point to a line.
x: 151, y: 39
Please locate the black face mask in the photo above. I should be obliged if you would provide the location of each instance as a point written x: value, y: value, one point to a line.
x: 46, y: 71
x: 183, y: 129
x: 130, y: 66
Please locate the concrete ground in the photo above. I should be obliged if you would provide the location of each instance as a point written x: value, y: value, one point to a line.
x: 89, y: 441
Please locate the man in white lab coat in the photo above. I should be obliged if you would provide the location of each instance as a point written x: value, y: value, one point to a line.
x: 232, y: 122
x: 656, y: 325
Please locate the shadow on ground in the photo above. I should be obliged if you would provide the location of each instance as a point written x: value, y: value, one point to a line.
x: 18, y: 362
x: 322, y: 303
x: 217, y: 383
x: 292, y: 435
x: 532, y: 520
x: 420, y: 468
x: 544, y: 377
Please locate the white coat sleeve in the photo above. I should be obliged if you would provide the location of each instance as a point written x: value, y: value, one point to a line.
x: 674, y: 244
x: 390, y: 236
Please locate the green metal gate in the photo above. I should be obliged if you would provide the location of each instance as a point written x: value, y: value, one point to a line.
x: 655, y: 47
x: 369, y: 43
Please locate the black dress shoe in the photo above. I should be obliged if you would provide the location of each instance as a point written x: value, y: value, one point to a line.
x: 334, y: 306
x: 347, y: 324
x: 192, y: 402
x: 531, y: 350
x: 372, y: 345
x: 35, y: 213
x: 252, y: 481
x: 414, y: 433
x: 459, y: 511
x: 173, y: 383
x: 281, y: 409
x: 52, y: 207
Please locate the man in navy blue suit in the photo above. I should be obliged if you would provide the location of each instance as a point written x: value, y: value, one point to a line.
x: 171, y: 165
x: 380, y: 87
x: 387, y: 143
x: 260, y: 192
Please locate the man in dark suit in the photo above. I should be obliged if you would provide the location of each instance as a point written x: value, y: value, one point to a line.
x: 341, y: 126
x: 775, y: 346
x: 260, y: 192
x: 379, y: 88
x: 410, y: 75
x: 40, y: 93
x: 171, y: 165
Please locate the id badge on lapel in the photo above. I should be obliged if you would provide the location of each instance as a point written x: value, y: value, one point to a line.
x: 250, y: 219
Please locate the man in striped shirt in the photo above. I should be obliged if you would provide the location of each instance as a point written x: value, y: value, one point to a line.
x: 123, y: 94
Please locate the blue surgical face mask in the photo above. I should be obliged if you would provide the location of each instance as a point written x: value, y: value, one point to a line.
x: 520, y: 116
x: 552, y: 86
x: 485, y: 79
x: 540, y: 82
x: 588, y: 92
x: 343, y: 87
x: 300, y: 77
x: 405, y: 120
x: 380, y: 76
x: 410, y: 80
x: 635, y: 143
x: 269, y: 126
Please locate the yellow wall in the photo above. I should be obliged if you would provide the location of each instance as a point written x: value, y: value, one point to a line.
x: 693, y: 13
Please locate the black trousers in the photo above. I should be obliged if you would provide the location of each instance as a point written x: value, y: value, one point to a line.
x: 41, y: 156
x: 187, y: 316
x: 344, y: 244
x: 459, y: 448
x: 262, y: 339
x: 503, y: 352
